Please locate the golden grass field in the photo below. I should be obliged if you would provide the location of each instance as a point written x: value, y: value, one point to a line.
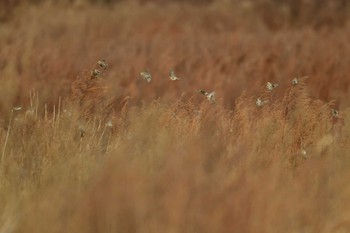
x: 115, y: 153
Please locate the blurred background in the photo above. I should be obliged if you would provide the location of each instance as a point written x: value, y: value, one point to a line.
x: 227, y: 46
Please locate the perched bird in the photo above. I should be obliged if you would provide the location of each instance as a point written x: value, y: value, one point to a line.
x: 295, y: 81
x: 172, y: 75
x: 146, y: 75
x: 102, y: 63
x: 271, y: 86
x: 95, y: 73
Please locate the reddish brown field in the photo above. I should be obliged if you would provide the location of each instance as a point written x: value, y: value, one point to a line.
x: 115, y: 153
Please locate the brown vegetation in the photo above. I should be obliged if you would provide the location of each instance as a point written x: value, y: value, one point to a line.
x: 110, y: 152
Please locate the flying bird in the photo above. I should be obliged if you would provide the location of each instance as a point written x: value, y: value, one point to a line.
x: 102, y: 63
x: 260, y: 102
x: 210, y: 96
x: 295, y: 81
x: 95, y: 73
x: 335, y: 113
x: 271, y: 86
x: 172, y: 75
x: 146, y: 75
x: 203, y: 92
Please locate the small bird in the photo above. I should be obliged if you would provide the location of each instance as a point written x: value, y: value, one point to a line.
x: 295, y: 81
x: 203, y: 92
x: 271, y: 86
x: 303, y: 152
x: 210, y: 96
x: 335, y: 113
x: 260, y: 102
x: 95, y: 73
x: 102, y: 63
x: 146, y: 75
x: 172, y: 75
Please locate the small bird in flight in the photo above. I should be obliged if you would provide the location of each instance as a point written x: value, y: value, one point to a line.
x: 203, y: 92
x: 335, y: 113
x: 260, y: 102
x: 271, y: 86
x: 146, y: 75
x: 210, y: 96
x: 95, y: 73
x: 295, y: 81
x: 102, y: 63
x: 172, y: 75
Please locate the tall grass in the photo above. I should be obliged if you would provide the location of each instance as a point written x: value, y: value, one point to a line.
x: 180, y: 167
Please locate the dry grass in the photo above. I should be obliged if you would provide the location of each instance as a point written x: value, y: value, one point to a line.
x: 117, y: 154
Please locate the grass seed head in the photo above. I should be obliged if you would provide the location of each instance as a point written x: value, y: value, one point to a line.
x: 30, y: 112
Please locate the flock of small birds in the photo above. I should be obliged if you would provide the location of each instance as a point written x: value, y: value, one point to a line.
x: 210, y: 96
x: 146, y: 75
